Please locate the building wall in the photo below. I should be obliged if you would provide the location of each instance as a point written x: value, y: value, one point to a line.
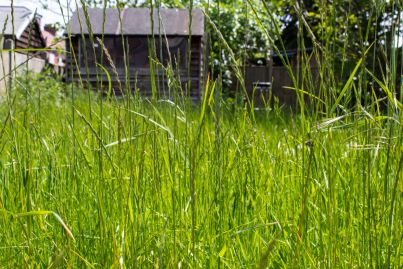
x: 4, y: 71
x: 138, y: 63
x: 31, y: 39
x: 20, y: 62
x: 280, y: 84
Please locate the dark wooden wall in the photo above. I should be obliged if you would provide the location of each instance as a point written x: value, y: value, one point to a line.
x: 280, y: 81
x: 137, y: 74
x: 31, y: 38
x: 253, y: 75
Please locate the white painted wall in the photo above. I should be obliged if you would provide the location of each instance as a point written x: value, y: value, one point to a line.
x: 4, y: 69
x: 20, y: 62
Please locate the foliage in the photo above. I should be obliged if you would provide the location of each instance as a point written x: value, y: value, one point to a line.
x: 344, y: 28
x: 241, y: 32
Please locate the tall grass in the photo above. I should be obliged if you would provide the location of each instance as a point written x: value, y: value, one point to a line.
x: 94, y: 181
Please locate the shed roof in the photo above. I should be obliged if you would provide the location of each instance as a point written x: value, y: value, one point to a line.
x: 22, y: 18
x: 136, y: 21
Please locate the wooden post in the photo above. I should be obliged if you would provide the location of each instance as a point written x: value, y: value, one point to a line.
x: 79, y: 55
x: 9, y: 44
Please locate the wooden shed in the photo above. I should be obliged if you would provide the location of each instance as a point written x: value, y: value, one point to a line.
x: 20, y: 35
x: 21, y: 25
x: 128, y: 37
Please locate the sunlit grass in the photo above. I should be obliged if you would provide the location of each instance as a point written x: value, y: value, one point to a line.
x: 96, y: 181
x: 121, y: 185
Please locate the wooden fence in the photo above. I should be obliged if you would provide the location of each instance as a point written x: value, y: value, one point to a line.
x: 256, y: 78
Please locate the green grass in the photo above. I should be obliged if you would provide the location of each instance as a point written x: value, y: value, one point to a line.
x: 104, y: 182
x: 140, y: 184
